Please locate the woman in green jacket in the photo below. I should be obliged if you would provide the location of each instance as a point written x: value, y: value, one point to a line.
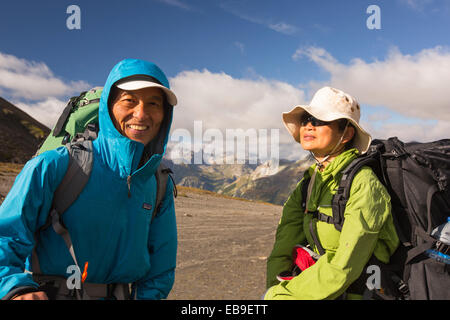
x: 329, y: 129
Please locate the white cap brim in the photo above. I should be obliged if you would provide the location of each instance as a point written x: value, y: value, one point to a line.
x: 141, y: 84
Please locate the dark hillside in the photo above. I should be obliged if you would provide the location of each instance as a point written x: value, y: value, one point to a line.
x: 20, y: 134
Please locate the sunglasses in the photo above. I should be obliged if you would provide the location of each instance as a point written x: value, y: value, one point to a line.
x: 307, y: 118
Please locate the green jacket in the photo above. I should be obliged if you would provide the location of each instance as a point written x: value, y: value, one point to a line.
x: 368, y: 229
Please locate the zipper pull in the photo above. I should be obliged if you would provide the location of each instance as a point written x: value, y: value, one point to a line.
x: 129, y: 186
x: 84, y: 274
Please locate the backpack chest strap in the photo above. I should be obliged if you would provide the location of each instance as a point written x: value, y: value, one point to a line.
x: 322, y: 217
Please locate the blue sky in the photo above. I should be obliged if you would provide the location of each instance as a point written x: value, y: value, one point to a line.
x: 250, y: 60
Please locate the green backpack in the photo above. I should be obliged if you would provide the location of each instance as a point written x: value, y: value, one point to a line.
x: 80, y: 116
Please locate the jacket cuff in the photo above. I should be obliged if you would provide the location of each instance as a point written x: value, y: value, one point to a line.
x: 19, y: 291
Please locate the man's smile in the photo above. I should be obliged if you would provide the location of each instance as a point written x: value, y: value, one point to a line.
x: 137, y: 127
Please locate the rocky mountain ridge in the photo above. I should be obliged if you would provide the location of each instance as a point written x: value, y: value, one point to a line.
x: 255, y: 182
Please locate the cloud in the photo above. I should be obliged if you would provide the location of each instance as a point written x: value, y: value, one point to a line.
x: 412, y: 85
x: 240, y: 46
x: 34, y: 88
x: 47, y: 111
x: 421, y: 131
x: 280, y: 26
x: 221, y: 102
x: 33, y: 80
x: 177, y: 3
x: 427, y: 7
x: 283, y: 27
x: 417, y: 5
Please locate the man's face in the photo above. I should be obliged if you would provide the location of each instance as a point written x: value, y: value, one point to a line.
x: 138, y: 114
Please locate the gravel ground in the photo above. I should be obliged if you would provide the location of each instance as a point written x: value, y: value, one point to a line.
x: 223, y: 247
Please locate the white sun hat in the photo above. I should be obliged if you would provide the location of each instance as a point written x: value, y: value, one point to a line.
x: 329, y: 104
x: 142, y: 81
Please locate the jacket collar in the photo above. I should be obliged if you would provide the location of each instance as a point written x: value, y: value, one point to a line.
x: 335, y: 167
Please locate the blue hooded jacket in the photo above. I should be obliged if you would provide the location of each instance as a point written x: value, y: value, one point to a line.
x: 108, y: 223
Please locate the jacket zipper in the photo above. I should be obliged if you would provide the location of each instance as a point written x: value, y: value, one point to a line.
x: 129, y: 186
x: 129, y: 179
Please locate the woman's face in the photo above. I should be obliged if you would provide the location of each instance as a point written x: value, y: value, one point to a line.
x: 322, y: 139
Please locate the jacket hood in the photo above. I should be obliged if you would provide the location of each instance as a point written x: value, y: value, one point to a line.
x: 120, y: 153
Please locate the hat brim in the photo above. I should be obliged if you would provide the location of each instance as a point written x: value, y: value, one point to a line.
x: 292, y: 118
x: 141, y: 84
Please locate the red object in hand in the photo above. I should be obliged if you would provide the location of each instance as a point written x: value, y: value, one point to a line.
x: 302, y: 258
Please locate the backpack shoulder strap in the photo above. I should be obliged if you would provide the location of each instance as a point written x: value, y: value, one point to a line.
x: 304, y: 192
x: 315, y: 214
x: 162, y: 175
x: 342, y: 194
x: 74, y: 181
x: 77, y: 175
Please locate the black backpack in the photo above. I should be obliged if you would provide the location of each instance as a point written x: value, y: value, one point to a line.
x: 417, y: 177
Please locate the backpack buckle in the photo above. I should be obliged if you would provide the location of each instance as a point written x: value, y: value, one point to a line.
x: 403, y: 288
x: 66, y: 139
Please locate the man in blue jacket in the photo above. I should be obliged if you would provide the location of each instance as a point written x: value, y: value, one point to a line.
x: 110, y: 222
